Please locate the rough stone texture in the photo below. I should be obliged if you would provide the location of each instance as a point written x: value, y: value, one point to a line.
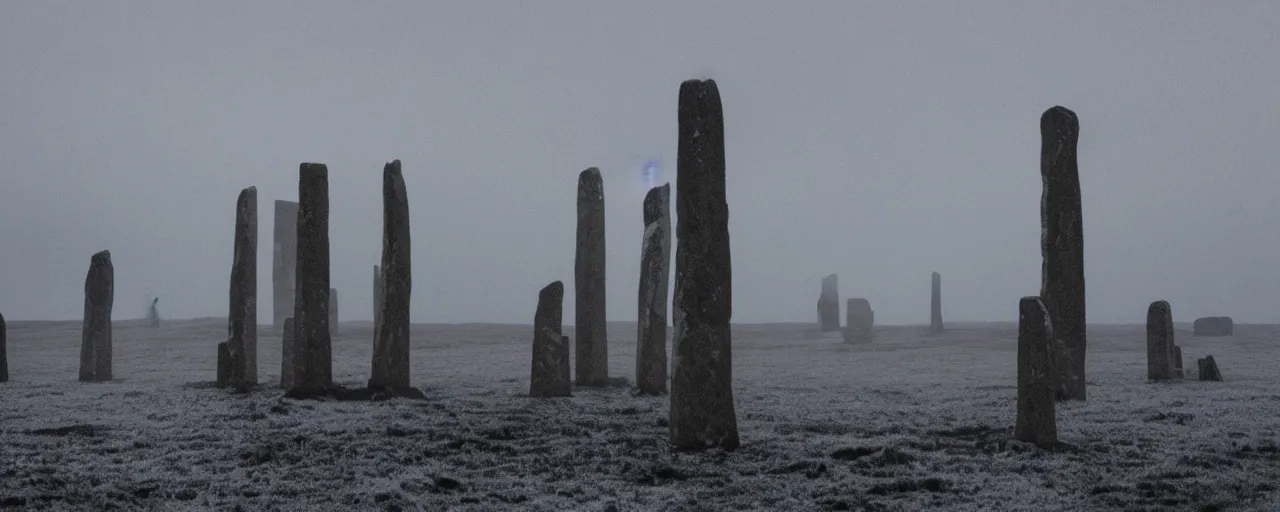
x: 242, y: 318
x: 312, y: 355
x: 1062, y: 247
x: 377, y: 301
x: 549, y: 372
x: 4, y: 351
x: 287, y: 335
x: 935, y: 305
x: 95, y: 341
x: 391, y: 345
x: 1036, y: 421
x: 1177, y: 362
x: 284, y: 261
x: 1213, y: 326
x: 333, y: 313
x: 1160, y: 341
x: 702, y: 412
x: 655, y: 273
x: 226, y: 368
x: 861, y: 319
x: 1209, y: 369
x: 829, y: 304
x: 592, y: 349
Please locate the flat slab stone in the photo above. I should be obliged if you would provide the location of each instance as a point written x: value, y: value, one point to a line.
x: 1213, y: 326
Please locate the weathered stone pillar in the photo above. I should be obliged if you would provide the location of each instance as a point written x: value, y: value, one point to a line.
x: 592, y: 349
x: 1036, y: 375
x: 95, y: 341
x: 549, y: 373
x: 829, y: 304
x: 394, y: 286
x: 655, y: 271
x: 1209, y: 369
x: 1159, y: 341
x: 313, y: 364
x: 702, y: 409
x: 1177, y: 362
x: 860, y: 321
x: 287, y: 348
x: 935, y: 305
x: 1062, y: 246
x: 377, y: 301
x: 242, y: 318
x: 333, y: 313
x: 284, y: 261
x: 4, y: 351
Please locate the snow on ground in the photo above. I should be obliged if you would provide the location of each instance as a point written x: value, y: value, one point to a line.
x: 909, y: 422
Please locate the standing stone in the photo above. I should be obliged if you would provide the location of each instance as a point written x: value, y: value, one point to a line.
x: 313, y: 364
x: 861, y: 319
x: 333, y: 313
x: 1213, y: 326
x: 95, y: 341
x: 1209, y: 369
x: 829, y: 304
x: 702, y: 410
x: 284, y: 261
x: 226, y: 368
x: 1177, y: 362
x: 1036, y: 375
x: 1062, y: 246
x: 153, y: 315
x: 655, y: 271
x: 1160, y: 341
x: 377, y: 301
x: 395, y: 286
x: 242, y: 328
x: 4, y: 351
x: 592, y: 350
x: 287, y: 349
x: 549, y: 376
x: 935, y: 305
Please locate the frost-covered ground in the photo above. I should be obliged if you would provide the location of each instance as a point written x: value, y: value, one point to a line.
x: 909, y: 422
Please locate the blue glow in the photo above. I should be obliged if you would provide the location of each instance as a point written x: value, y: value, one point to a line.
x: 651, y: 173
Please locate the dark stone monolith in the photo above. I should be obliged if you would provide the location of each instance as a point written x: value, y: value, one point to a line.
x: 935, y: 305
x: 591, y: 350
x: 1209, y: 369
x: 1036, y: 421
x: 377, y: 301
x: 225, y: 366
x: 702, y: 411
x: 287, y: 349
x: 391, y: 345
x: 312, y: 354
x: 284, y: 261
x: 655, y: 272
x: 95, y: 341
x: 829, y: 304
x: 860, y: 320
x: 1177, y: 362
x: 4, y: 351
x: 1213, y: 326
x: 333, y: 313
x: 1159, y: 341
x: 242, y: 318
x: 549, y: 373
x: 1062, y: 247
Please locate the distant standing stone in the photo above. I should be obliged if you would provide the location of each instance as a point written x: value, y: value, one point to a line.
x: 284, y: 264
x: 1036, y: 417
x: 829, y: 304
x: 860, y: 321
x: 1160, y: 341
x: 95, y: 343
x: 1177, y: 362
x: 592, y: 350
x: 242, y: 328
x: 1062, y: 246
x: 1209, y: 369
x: 224, y: 378
x: 702, y: 411
x: 4, y: 351
x: 655, y: 272
x: 935, y: 305
x: 287, y: 349
x: 313, y: 364
x: 395, y: 286
x: 549, y: 373
x: 1213, y: 326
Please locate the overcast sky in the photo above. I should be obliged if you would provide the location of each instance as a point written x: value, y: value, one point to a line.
x: 877, y: 140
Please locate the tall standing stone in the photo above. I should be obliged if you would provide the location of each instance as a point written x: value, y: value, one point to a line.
x: 935, y: 305
x: 242, y: 318
x: 1036, y: 421
x: 702, y: 410
x: 287, y: 349
x: 592, y: 347
x: 391, y: 345
x: 95, y: 341
x: 284, y: 261
x: 377, y: 301
x: 860, y: 320
x: 1159, y: 341
x: 4, y: 351
x: 549, y: 372
x: 829, y: 304
x: 1062, y: 246
x: 225, y: 366
x: 333, y: 313
x: 313, y: 364
x: 655, y: 272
